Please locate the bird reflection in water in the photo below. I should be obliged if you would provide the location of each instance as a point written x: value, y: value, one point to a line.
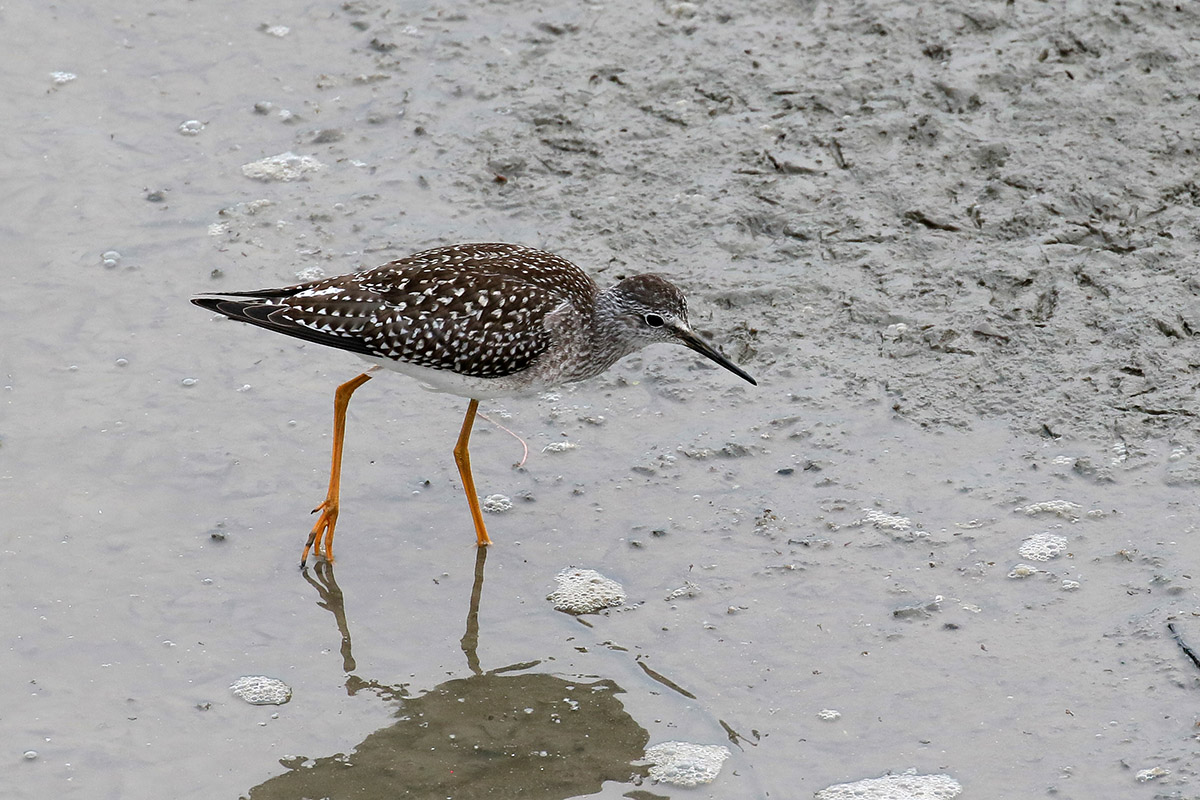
x: 331, y: 600
x: 498, y: 733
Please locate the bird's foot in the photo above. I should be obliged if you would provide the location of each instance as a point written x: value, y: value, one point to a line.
x: 322, y: 532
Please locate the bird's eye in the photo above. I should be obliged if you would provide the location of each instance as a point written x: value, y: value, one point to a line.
x: 654, y: 320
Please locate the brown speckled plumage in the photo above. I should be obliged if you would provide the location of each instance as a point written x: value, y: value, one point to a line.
x: 503, y: 317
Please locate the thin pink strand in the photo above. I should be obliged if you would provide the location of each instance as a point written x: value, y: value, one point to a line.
x: 524, y: 447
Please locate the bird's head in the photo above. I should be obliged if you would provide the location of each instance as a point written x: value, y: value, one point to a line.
x: 649, y: 309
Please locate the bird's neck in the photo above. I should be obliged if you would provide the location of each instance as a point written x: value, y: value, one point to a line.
x: 599, y: 342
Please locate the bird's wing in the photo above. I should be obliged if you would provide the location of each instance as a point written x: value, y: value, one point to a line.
x: 488, y: 326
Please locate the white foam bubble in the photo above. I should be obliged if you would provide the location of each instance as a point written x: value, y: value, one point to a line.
x: 283, y: 167
x: 1061, y: 508
x: 905, y: 786
x: 688, y: 589
x: 684, y: 763
x: 1042, y: 546
x: 582, y: 591
x: 496, y: 504
x: 261, y: 690
x: 1153, y: 773
x: 893, y: 522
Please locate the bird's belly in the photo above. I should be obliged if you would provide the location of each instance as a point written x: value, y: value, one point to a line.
x: 441, y: 380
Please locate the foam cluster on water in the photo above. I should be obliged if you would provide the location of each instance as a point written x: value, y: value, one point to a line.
x: 1061, y: 508
x: 688, y: 589
x: 283, y: 167
x: 582, y: 591
x: 496, y: 504
x: 1146, y: 775
x: 261, y: 690
x: 905, y: 786
x: 893, y: 522
x: 684, y: 763
x: 1042, y: 546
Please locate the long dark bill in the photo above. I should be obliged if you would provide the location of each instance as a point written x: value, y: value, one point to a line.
x: 694, y: 342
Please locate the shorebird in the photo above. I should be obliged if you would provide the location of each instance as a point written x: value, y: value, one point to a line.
x: 474, y: 320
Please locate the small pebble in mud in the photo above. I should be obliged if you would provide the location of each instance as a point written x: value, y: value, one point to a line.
x: 30, y: 755
x: 189, y: 381
x: 328, y: 136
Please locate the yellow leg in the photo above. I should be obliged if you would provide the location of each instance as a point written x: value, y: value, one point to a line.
x: 323, y: 530
x: 463, y: 459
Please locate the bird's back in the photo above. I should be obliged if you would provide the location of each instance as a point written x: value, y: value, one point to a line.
x: 472, y: 309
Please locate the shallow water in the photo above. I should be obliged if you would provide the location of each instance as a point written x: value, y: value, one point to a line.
x: 133, y: 428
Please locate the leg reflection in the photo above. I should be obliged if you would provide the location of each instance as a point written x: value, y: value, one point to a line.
x: 470, y: 639
x: 331, y: 600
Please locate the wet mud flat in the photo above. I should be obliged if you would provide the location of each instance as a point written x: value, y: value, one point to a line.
x: 956, y: 243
